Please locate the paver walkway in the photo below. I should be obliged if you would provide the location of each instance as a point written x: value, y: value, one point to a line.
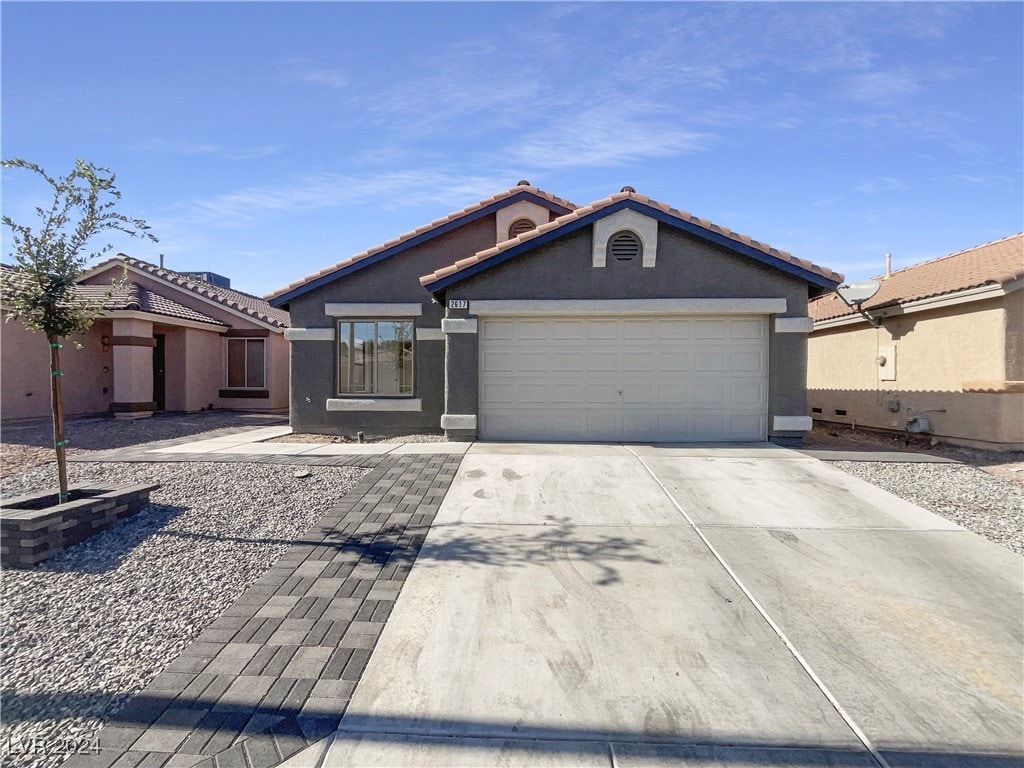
x: 274, y: 673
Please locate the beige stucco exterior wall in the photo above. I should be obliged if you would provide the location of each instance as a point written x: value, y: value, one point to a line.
x: 204, y: 360
x: 951, y: 367
x: 25, y: 372
x: 195, y: 358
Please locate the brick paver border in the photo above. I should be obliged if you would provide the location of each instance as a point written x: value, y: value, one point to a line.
x: 276, y: 671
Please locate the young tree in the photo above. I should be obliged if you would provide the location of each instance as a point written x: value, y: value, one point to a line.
x: 39, y: 289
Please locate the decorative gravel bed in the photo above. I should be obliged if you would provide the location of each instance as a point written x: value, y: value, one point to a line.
x: 85, y: 630
x: 984, y: 504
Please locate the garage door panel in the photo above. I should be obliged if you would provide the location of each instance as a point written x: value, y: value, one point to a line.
x: 750, y: 394
x: 711, y: 329
x: 708, y: 393
x: 750, y: 362
x: 602, y: 361
x: 673, y: 361
x: 633, y: 379
x: 673, y: 393
x: 747, y: 329
x: 642, y: 362
x: 498, y: 329
x: 639, y: 330
x: 602, y: 392
x: 707, y: 359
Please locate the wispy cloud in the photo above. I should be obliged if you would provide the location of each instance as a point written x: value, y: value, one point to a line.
x: 609, y: 135
x: 181, y: 147
x: 315, y: 73
x: 881, y: 86
x: 319, y: 191
x: 883, y: 184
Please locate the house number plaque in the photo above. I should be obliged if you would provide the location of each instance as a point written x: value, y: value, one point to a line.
x: 458, y: 304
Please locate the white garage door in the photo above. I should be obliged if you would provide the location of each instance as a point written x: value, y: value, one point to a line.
x: 664, y: 379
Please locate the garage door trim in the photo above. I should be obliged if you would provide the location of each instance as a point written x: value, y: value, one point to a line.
x: 629, y: 307
x: 685, y: 423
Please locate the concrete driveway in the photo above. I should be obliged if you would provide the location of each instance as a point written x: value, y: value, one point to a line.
x: 608, y: 605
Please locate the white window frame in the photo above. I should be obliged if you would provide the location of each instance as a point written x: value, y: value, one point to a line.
x: 340, y: 339
x: 245, y: 358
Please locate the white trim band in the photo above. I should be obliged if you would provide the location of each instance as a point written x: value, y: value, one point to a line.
x: 374, y: 404
x: 630, y: 307
x: 309, y: 334
x: 429, y: 334
x: 793, y: 325
x: 792, y: 423
x: 459, y: 325
x: 458, y: 421
x: 373, y: 310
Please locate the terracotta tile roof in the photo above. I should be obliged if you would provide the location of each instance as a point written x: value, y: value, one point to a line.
x: 132, y: 296
x: 644, y: 200
x: 451, y: 217
x: 246, y: 303
x: 998, y: 263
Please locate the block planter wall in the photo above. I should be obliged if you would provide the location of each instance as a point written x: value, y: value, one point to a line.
x: 33, y: 527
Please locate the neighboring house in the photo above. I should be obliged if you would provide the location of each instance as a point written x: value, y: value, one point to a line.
x: 946, y: 359
x: 524, y: 317
x: 165, y: 341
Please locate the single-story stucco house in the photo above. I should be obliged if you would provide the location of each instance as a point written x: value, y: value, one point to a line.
x: 166, y: 340
x: 525, y: 317
x: 940, y: 350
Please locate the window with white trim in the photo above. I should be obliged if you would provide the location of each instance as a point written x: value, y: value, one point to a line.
x: 375, y: 357
x: 246, y: 363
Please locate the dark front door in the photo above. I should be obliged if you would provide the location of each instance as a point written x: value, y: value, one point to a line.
x: 159, y: 374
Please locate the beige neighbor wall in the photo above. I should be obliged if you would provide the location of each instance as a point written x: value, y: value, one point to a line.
x: 197, y: 365
x: 87, y: 383
x: 952, y: 366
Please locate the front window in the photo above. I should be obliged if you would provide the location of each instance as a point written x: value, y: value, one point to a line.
x: 247, y: 363
x: 375, y: 357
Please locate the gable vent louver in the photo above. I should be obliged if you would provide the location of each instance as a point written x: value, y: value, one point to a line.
x: 519, y: 227
x: 625, y: 246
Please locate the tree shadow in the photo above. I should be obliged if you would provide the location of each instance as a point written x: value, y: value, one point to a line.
x: 558, y: 539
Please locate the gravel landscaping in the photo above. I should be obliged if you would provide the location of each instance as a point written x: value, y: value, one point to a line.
x: 84, y: 631
x: 981, y: 503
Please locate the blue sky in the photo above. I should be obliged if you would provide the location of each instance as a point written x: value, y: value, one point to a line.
x: 265, y: 141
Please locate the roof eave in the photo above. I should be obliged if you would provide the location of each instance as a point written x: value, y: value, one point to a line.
x: 280, y: 300
x: 938, y: 301
x: 813, y: 278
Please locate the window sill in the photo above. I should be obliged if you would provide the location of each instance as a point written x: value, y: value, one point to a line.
x: 375, y: 404
x: 246, y: 393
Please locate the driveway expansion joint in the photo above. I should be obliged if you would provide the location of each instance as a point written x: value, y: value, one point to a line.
x: 275, y: 673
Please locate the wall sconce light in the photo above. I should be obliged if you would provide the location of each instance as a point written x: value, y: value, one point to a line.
x: 105, y: 341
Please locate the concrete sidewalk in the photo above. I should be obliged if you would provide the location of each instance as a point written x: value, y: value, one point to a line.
x: 250, y: 443
x: 689, y: 605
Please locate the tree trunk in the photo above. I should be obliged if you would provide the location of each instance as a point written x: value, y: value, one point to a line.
x: 57, y: 406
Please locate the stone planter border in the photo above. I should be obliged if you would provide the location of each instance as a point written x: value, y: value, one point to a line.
x: 30, y: 534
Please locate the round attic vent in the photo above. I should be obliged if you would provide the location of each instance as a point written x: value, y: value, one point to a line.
x: 625, y: 246
x: 520, y: 226
x: 627, y: 189
x: 523, y: 183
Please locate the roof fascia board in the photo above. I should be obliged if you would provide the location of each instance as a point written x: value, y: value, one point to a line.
x: 968, y: 296
x: 211, y: 302
x: 590, y: 218
x: 423, y: 237
x: 153, y: 317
